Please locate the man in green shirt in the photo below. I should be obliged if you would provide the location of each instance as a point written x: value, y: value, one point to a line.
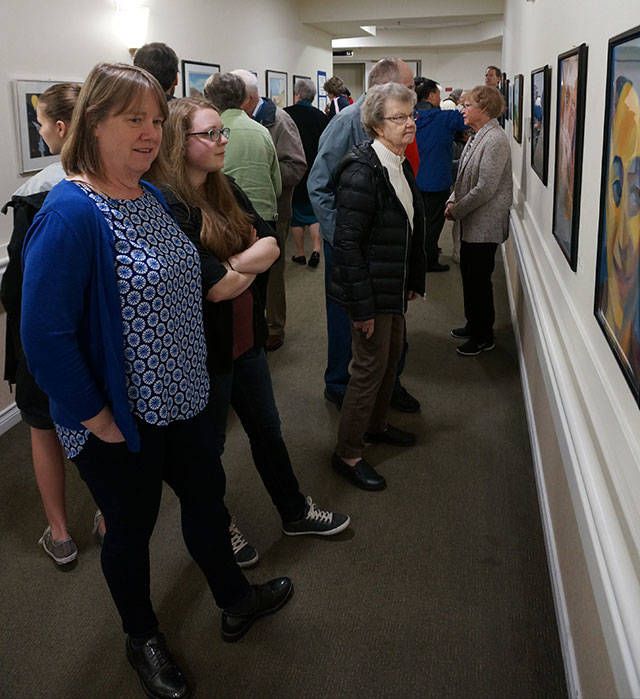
x: 250, y: 157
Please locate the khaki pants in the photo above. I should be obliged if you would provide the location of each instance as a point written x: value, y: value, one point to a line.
x: 276, y: 297
x: 373, y: 375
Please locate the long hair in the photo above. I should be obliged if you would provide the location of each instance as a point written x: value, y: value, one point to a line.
x: 226, y: 228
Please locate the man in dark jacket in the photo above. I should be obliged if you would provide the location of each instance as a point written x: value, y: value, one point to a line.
x: 435, y: 131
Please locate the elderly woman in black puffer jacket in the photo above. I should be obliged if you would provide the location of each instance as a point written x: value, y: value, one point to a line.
x: 378, y: 265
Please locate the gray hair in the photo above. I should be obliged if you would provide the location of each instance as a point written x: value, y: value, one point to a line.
x: 372, y: 111
x: 305, y: 89
x: 225, y: 91
x: 386, y: 70
x: 249, y: 79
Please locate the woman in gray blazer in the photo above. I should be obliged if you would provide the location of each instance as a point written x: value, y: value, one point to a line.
x: 479, y: 205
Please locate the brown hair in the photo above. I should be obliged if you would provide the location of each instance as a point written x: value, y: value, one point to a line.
x: 226, y: 228
x: 335, y: 86
x: 488, y: 98
x: 110, y: 88
x: 59, y: 100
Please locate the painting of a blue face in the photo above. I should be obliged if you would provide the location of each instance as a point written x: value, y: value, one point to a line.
x: 537, y: 122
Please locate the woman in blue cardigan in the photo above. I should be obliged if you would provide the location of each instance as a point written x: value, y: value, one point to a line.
x: 112, y: 331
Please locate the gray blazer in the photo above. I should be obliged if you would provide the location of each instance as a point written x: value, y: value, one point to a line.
x: 483, y: 190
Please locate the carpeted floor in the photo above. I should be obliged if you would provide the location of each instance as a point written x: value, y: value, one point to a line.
x: 439, y: 589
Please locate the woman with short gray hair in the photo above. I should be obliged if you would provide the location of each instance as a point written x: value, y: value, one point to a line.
x: 378, y: 265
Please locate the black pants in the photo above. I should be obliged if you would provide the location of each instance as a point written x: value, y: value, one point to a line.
x: 434, y: 205
x: 127, y: 488
x: 477, y: 261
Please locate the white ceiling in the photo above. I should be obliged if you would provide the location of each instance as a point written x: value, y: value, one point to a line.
x: 407, y: 23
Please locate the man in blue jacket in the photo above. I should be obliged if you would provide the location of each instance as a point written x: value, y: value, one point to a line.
x: 435, y: 130
x: 345, y: 131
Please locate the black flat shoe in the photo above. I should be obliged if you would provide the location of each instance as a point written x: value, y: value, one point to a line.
x: 264, y: 599
x: 159, y: 675
x: 314, y: 259
x: 392, y: 435
x: 300, y: 259
x: 362, y: 475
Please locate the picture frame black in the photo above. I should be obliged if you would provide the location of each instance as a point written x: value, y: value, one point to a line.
x: 617, y: 293
x: 540, y: 100
x: 518, y: 90
x: 195, y: 75
x: 293, y: 82
x: 276, y: 87
x: 571, y: 93
x: 506, y: 95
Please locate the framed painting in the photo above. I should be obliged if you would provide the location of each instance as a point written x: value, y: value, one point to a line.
x: 195, y: 75
x: 572, y: 88
x: 507, y: 99
x: 296, y: 78
x: 617, y: 293
x: 518, y: 89
x: 34, y: 153
x: 277, y: 87
x: 540, y: 110
x: 510, y: 102
x: 321, y: 95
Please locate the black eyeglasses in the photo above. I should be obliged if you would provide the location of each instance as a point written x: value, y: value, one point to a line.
x: 213, y: 134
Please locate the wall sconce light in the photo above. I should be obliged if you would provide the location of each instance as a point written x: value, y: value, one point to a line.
x: 132, y: 21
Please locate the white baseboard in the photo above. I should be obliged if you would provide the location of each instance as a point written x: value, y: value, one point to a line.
x: 559, y: 597
x: 9, y: 417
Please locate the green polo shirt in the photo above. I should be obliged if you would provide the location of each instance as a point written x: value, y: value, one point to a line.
x: 251, y: 159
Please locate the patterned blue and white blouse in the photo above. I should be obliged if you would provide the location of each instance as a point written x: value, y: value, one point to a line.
x: 158, y: 276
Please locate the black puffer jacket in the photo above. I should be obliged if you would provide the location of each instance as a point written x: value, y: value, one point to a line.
x: 377, y: 258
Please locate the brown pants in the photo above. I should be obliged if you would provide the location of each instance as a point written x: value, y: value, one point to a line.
x: 276, y: 297
x: 373, y: 374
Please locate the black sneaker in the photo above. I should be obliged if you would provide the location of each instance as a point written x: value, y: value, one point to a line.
x: 392, y: 435
x: 403, y: 401
x: 262, y: 600
x: 472, y: 348
x: 334, y: 397
x: 317, y: 521
x: 245, y: 555
x: 159, y: 675
x: 460, y: 333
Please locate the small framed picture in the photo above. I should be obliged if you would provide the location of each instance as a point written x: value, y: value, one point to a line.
x: 195, y: 75
x: 34, y: 153
x: 540, y: 110
x: 320, y: 91
x: 518, y: 89
x: 277, y: 87
x: 295, y: 79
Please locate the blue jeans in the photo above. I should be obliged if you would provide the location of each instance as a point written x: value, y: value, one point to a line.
x: 249, y: 391
x: 336, y: 375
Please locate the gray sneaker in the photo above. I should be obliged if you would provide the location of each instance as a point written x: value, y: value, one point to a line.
x: 315, y: 521
x: 243, y: 552
x: 62, y: 552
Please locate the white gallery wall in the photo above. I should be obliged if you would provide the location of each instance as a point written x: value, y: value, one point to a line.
x: 584, y: 420
x: 63, y: 40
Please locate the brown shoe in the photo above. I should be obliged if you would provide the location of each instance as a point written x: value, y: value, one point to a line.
x: 273, y: 343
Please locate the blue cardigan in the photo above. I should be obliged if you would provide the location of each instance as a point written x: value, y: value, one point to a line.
x: 71, y: 318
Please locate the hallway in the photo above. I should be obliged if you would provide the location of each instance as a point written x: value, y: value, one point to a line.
x: 439, y: 588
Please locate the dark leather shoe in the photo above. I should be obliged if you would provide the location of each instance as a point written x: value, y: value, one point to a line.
x: 159, y: 676
x: 362, y: 475
x: 334, y: 397
x: 273, y: 342
x: 403, y: 401
x: 264, y: 599
x: 392, y: 435
x: 437, y: 267
x: 300, y: 259
x: 314, y: 260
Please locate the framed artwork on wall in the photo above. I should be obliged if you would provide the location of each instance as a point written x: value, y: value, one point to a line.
x: 540, y: 110
x: 34, y: 153
x: 194, y: 75
x: 507, y: 98
x: 293, y: 82
x: 518, y: 89
x: 277, y: 87
x: 510, y: 101
x: 617, y: 293
x: 321, y: 79
x: 572, y: 88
